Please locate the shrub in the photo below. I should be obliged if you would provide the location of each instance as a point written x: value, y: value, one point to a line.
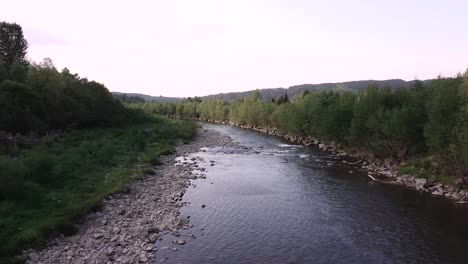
x: 12, y: 176
x: 40, y: 164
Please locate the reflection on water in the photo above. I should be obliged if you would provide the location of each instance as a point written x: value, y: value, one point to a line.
x: 272, y: 202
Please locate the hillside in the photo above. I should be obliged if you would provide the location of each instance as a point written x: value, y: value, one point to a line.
x: 296, y: 90
x: 136, y: 97
x: 270, y: 93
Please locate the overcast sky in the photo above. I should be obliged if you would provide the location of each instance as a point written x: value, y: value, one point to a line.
x: 187, y: 48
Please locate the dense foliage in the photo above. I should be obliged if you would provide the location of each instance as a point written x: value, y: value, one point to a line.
x: 45, y: 99
x: 48, y: 177
x: 45, y: 188
x: 13, y: 45
x: 429, y: 118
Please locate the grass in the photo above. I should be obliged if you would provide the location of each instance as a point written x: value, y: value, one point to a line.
x: 425, y: 168
x: 447, y: 179
x: 48, y: 187
x: 421, y: 168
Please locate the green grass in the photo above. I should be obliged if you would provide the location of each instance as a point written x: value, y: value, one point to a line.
x: 425, y: 168
x: 447, y: 179
x: 47, y: 188
x: 421, y: 168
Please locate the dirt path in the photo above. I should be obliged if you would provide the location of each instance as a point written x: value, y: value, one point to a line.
x: 130, y: 223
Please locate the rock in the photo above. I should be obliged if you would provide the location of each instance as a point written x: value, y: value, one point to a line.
x: 180, y: 242
x: 451, y: 189
x: 34, y: 257
x: 98, y: 236
x: 149, y: 248
x: 152, y: 230
x: 153, y: 237
x: 459, y: 183
x: 455, y: 196
x: 438, y: 192
x: 122, y: 212
x: 203, y: 206
x: 420, y: 183
x: 143, y: 259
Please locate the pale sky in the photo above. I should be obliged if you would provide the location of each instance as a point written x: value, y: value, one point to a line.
x: 199, y: 47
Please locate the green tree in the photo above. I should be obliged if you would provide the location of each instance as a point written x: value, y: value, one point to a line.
x: 442, y: 105
x: 3, y: 71
x: 460, y: 142
x: 13, y: 45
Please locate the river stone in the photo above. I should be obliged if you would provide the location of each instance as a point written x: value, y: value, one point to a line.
x: 420, y: 183
x: 459, y: 183
x: 34, y: 257
x: 143, y: 259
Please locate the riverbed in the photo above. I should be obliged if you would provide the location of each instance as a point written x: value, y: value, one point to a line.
x: 269, y: 201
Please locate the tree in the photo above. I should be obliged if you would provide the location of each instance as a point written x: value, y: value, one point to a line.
x: 460, y: 142
x: 442, y: 105
x: 13, y: 45
x: 282, y: 99
x: 3, y: 71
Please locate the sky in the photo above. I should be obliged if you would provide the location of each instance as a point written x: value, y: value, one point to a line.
x: 186, y: 48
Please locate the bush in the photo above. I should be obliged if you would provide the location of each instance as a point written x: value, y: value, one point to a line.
x: 40, y: 164
x: 12, y: 177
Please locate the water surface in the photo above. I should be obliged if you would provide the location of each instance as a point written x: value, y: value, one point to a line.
x: 273, y: 202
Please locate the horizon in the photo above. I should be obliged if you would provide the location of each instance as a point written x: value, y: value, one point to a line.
x: 286, y: 88
x: 186, y: 49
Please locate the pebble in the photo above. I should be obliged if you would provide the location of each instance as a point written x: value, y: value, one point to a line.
x: 128, y: 221
x: 180, y: 242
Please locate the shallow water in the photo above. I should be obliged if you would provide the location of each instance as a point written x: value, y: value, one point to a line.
x: 274, y: 202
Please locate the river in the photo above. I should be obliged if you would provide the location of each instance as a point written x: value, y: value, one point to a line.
x: 274, y: 202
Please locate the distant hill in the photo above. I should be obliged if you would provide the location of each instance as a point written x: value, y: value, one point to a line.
x: 270, y: 93
x: 297, y: 90
x: 135, y: 97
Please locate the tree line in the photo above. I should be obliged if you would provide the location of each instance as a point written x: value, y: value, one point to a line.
x: 425, y: 119
x: 49, y: 179
x: 36, y: 97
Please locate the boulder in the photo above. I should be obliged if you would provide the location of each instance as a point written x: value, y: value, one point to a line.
x: 180, y: 242
x: 33, y: 257
x: 459, y: 182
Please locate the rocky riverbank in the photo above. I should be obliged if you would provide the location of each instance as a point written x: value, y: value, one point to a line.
x: 376, y: 167
x: 129, y: 224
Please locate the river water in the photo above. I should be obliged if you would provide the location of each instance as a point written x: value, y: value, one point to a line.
x: 274, y: 202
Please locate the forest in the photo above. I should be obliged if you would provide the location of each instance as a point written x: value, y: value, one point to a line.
x: 65, y: 144
x: 426, y: 124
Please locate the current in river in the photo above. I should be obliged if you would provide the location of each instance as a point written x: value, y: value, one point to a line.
x: 274, y: 202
